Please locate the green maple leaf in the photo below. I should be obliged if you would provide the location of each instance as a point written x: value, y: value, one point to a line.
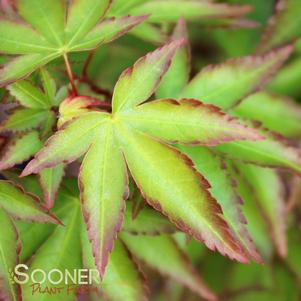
x: 138, y: 138
x: 46, y: 33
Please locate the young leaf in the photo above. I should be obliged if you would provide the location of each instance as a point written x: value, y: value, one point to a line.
x: 20, y: 149
x: 187, y: 121
x: 202, y: 217
x: 22, y: 205
x: 153, y: 250
x: 69, y: 143
x: 268, y: 109
x: 103, y: 183
x: 148, y: 222
x: 50, y: 180
x: 274, y: 151
x: 268, y: 191
x: 177, y: 75
x: 284, y: 26
x: 219, y: 85
x: 172, y: 10
x: 62, y: 251
x: 23, y: 119
x: 136, y: 84
x: 28, y: 95
x: 223, y: 190
x: 49, y: 86
x: 58, y: 29
x: 10, y: 248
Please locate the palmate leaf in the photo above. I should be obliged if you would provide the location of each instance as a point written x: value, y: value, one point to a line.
x: 22, y: 205
x: 9, y: 249
x: 283, y: 27
x: 218, y: 84
x: 19, y: 149
x: 153, y: 251
x: 38, y: 106
x: 156, y: 167
x: 268, y: 109
x: 47, y: 35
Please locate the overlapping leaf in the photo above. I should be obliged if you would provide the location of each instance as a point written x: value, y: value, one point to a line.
x: 219, y: 84
x: 176, y: 265
x: 223, y: 189
x: 46, y: 34
x: 108, y: 138
x: 284, y: 26
x: 270, y: 201
x: 268, y: 109
x: 170, y: 11
x: 21, y: 205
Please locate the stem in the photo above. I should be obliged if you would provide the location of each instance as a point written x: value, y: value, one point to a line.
x: 87, y: 63
x: 70, y: 74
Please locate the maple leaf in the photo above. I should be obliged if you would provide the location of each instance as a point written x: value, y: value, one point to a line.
x: 132, y: 138
x: 46, y: 34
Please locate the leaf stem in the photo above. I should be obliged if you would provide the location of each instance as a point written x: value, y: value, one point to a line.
x: 70, y: 74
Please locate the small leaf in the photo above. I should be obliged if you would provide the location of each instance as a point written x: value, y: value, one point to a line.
x: 268, y: 109
x: 28, y: 95
x: 22, y: 205
x: 274, y: 151
x: 172, y: 10
x: 49, y: 86
x: 136, y: 84
x: 223, y: 190
x: 177, y: 190
x: 69, y: 143
x: 50, y: 180
x: 284, y: 26
x: 148, y: 222
x: 163, y: 254
x: 218, y: 84
x: 103, y: 183
x: 187, y: 121
x: 177, y: 75
x: 268, y: 191
x: 21, y: 120
x: 10, y: 248
x: 20, y: 149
